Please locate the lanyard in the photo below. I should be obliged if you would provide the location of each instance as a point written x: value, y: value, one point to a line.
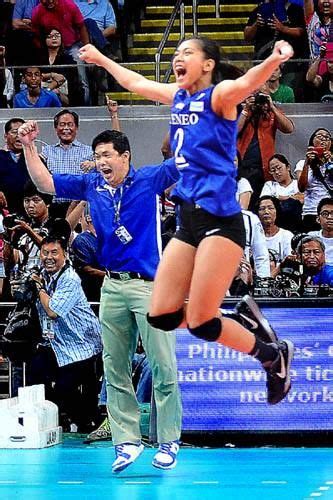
x: 116, y: 204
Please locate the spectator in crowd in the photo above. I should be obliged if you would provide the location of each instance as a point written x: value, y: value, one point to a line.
x: 66, y: 17
x: 244, y: 189
x: 325, y: 219
x: 66, y: 155
x: 267, y: 24
x: 66, y: 358
x: 13, y: 169
x: 323, y: 83
x: 277, y: 239
x: 34, y: 96
x: 311, y: 253
x: 318, y: 23
x: 256, y: 245
x: 100, y: 20
x: 314, y: 175
x: 84, y: 250
x: 21, y: 44
x: 129, y: 250
x: 6, y: 81
x: 63, y: 81
x: 258, y: 123
x: 285, y: 189
x: 3, y: 213
x: 279, y: 92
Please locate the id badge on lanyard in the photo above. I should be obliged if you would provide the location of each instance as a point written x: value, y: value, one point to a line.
x: 121, y: 232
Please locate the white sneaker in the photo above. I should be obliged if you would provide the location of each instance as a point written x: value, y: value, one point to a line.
x: 166, y: 457
x: 126, y: 453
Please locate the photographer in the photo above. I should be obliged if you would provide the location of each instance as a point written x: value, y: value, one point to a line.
x: 257, y: 126
x: 66, y: 357
x: 315, y: 176
x: 320, y: 75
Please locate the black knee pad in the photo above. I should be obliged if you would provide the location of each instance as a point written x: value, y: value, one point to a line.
x: 209, y: 331
x: 168, y: 321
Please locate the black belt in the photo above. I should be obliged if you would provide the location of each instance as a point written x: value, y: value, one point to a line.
x: 125, y: 276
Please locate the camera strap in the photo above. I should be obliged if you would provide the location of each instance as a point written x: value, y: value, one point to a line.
x: 51, y: 287
x: 322, y: 179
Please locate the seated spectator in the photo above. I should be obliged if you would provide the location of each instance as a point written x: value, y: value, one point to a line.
x: 6, y: 81
x: 314, y: 175
x: 244, y: 189
x: 66, y: 358
x: 100, y: 21
x: 325, y: 219
x: 255, y: 244
x: 322, y: 82
x: 311, y: 253
x: 21, y: 47
x: 34, y: 96
x: 285, y: 189
x: 257, y: 127
x: 268, y: 23
x: 279, y: 92
x: 66, y: 17
x: 277, y: 238
x: 63, y: 81
x: 84, y: 250
x: 317, y: 23
x: 13, y: 169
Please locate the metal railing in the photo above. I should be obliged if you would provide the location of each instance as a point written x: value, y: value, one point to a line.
x: 179, y: 8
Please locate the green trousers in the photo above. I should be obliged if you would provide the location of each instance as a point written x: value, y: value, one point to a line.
x: 124, y: 305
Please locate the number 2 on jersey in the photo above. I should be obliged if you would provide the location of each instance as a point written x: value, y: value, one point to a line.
x: 179, y: 158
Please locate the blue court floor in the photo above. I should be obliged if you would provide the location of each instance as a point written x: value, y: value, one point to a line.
x: 77, y: 471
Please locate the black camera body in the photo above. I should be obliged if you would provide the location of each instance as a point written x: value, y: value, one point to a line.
x: 9, y: 220
x: 25, y: 287
x: 260, y: 99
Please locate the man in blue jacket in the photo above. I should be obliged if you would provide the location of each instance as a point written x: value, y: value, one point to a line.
x: 124, y: 206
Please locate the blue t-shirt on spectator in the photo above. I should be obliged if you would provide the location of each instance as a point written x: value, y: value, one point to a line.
x: 23, y: 9
x: 100, y: 11
x: 47, y: 99
x: 324, y: 277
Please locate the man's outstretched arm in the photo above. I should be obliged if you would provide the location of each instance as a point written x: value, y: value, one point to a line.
x: 39, y: 174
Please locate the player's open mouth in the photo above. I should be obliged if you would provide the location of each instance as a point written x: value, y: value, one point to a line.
x: 106, y: 171
x: 180, y: 71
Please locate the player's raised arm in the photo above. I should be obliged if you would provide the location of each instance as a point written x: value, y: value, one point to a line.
x: 39, y: 174
x: 130, y: 80
x: 229, y: 93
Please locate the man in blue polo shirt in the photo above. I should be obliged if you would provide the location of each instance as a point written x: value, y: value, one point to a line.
x: 124, y: 207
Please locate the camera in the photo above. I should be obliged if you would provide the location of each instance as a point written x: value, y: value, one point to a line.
x: 280, y: 287
x: 9, y: 220
x: 260, y: 99
x: 24, y: 288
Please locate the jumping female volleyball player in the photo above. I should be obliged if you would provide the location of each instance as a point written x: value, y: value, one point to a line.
x: 201, y: 260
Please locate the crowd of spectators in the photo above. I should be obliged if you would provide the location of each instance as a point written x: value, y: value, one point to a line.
x: 287, y: 209
x: 47, y: 36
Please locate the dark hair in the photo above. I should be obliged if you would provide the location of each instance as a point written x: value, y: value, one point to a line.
x: 281, y: 158
x: 296, y: 239
x: 308, y: 239
x: 31, y: 190
x: 65, y: 112
x: 8, y: 125
x: 53, y: 238
x: 315, y: 132
x: 276, y: 204
x: 324, y: 201
x: 118, y: 139
x: 29, y: 67
x: 211, y: 50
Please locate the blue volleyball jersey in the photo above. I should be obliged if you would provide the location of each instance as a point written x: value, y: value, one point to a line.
x: 204, y: 146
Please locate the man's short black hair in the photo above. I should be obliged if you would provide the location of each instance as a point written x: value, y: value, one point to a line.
x: 30, y: 190
x: 29, y: 67
x: 118, y: 139
x: 65, y: 112
x: 55, y: 238
x: 8, y: 125
x: 324, y: 201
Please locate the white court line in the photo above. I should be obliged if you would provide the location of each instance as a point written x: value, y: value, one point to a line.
x: 8, y: 482
x: 70, y: 482
x: 328, y: 482
x: 206, y: 482
x: 274, y: 482
x: 323, y: 488
x: 137, y: 482
x: 315, y: 494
